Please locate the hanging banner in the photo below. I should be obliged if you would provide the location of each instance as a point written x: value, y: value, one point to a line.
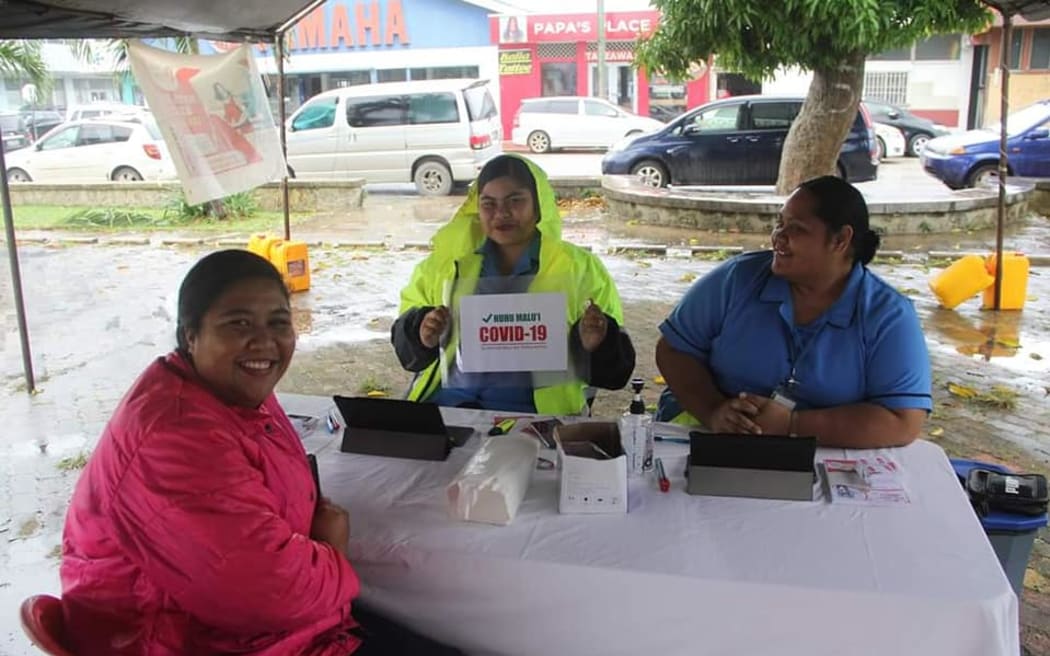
x: 215, y: 118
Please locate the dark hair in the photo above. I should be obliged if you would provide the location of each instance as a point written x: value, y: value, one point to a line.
x: 838, y: 204
x: 209, y: 278
x: 515, y: 168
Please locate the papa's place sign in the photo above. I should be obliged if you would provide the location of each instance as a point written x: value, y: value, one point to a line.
x: 513, y: 332
x: 619, y: 26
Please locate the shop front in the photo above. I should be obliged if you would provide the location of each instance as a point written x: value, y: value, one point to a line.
x: 557, y: 55
x: 350, y: 42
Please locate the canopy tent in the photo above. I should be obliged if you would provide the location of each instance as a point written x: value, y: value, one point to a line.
x: 244, y: 20
x: 267, y: 20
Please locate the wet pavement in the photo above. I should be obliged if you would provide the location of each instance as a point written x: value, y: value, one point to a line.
x: 99, y: 313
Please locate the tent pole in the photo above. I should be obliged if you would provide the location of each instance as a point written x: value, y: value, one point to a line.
x: 16, y: 275
x: 1004, y: 108
x: 279, y: 54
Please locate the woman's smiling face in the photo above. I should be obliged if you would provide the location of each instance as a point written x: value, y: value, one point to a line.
x: 508, y: 212
x: 245, y: 342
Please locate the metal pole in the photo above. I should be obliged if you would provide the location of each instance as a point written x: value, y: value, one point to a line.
x: 279, y: 54
x: 1004, y: 108
x: 16, y: 275
x: 603, y: 81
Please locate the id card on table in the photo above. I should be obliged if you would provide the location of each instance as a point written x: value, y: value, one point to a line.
x: 513, y: 332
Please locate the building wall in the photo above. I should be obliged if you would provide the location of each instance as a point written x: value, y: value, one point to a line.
x: 1029, y: 81
x: 936, y: 89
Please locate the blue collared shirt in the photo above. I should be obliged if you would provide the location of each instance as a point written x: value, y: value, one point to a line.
x: 867, y: 347
x: 504, y: 391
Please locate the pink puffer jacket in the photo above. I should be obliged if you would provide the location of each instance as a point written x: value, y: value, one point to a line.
x: 188, y: 533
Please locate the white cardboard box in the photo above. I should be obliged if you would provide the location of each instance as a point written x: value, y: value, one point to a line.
x: 589, y: 482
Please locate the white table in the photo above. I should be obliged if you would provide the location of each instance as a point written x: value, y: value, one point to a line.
x: 679, y: 574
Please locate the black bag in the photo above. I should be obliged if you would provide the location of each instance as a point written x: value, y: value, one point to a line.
x: 1024, y: 494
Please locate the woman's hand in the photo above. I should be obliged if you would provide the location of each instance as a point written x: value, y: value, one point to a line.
x: 737, y: 414
x: 434, y: 324
x: 331, y: 525
x: 593, y: 327
x: 773, y: 418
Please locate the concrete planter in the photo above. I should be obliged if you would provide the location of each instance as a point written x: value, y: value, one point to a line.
x: 755, y: 211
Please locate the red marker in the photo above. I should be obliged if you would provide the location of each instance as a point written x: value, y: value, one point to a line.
x: 661, y: 475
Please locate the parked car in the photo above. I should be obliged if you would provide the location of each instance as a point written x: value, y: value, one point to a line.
x: 735, y: 141
x: 102, y: 109
x: 917, y: 130
x: 94, y: 151
x: 971, y: 158
x: 38, y: 122
x: 544, y: 124
x: 433, y: 133
x: 15, y: 141
x: 890, y: 141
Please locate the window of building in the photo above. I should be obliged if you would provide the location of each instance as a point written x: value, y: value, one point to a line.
x: 349, y: 79
x: 1040, y: 57
x: 444, y: 73
x: 897, y: 54
x: 427, y: 108
x: 559, y: 78
x: 316, y: 115
x: 392, y: 75
x: 774, y: 115
x: 939, y: 46
x: 888, y: 86
x: 1016, y: 40
x: 375, y: 111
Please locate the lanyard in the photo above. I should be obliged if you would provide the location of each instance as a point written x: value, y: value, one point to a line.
x: 794, y: 358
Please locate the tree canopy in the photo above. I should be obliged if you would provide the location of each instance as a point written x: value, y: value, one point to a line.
x: 756, y: 37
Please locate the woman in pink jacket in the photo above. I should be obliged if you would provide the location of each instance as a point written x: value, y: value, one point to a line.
x: 195, y: 528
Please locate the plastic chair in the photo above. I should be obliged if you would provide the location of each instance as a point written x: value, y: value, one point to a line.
x: 45, y: 624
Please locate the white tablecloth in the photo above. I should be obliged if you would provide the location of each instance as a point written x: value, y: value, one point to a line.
x: 679, y: 574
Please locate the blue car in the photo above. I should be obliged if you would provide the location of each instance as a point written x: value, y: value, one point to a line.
x: 971, y: 158
x: 735, y: 141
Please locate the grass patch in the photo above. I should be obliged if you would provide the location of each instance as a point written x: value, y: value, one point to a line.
x: 372, y: 386
x: 28, y: 527
x: 64, y: 217
x: 73, y: 463
x: 714, y: 256
x: 55, y: 553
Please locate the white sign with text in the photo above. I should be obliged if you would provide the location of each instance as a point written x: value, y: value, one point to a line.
x: 513, y: 332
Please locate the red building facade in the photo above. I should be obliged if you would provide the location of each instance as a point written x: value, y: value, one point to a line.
x: 557, y: 55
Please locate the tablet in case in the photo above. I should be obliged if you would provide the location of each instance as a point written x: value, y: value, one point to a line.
x: 397, y: 429
x: 760, y: 466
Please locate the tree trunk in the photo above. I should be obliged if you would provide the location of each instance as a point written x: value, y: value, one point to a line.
x: 813, y: 143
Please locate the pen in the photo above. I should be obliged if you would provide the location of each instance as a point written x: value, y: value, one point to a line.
x: 503, y: 427
x: 668, y: 438
x: 661, y: 475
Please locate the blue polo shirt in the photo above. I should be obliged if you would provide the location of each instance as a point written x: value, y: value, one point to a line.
x: 509, y: 391
x: 866, y: 348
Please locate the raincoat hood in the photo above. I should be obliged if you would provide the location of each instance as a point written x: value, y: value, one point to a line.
x: 463, y: 233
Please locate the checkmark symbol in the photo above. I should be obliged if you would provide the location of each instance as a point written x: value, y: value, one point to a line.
x: 487, y: 318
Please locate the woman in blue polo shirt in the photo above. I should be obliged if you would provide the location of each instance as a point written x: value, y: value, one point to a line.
x: 801, y: 339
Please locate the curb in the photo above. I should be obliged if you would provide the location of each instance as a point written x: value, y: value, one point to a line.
x: 635, y: 249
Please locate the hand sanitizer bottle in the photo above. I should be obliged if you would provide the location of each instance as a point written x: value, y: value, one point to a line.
x: 636, y: 433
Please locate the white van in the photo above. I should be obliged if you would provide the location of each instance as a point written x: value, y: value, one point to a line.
x: 433, y: 133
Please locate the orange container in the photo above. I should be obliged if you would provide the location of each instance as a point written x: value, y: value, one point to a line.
x: 1015, y: 282
x: 292, y: 259
x: 965, y: 278
x: 261, y: 244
